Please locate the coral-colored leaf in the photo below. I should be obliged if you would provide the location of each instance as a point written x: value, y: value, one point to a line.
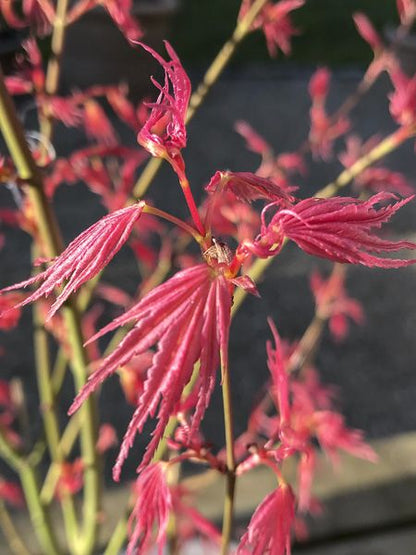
x: 87, y: 255
x: 340, y: 229
x: 164, y: 133
x: 188, y: 318
x: 247, y: 187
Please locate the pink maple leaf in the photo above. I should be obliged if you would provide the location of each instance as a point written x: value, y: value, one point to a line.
x: 188, y: 317
x: 270, y: 526
x: 117, y: 98
x: 96, y: 123
x: 333, y: 435
x: 11, y: 492
x: 403, y: 99
x: 333, y: 302
x: 107, y: 438
x: 275, y: 22
x: 367, y: 31
x: 339, y: 229
x: 324, y: 129
x: 407, y: 11
x: 37, y: 13
x: 120, y: 12
x: 9, y: 312
x: 319, y: 84
x: 87, y: 255
x: 254, y: 141
x: 71, y: 478
x: 375, y: 178
x: 164, y: 133
x: 247, y: 187
x: 383, y: 57
x: 152, y: 509
x: 306, y: 413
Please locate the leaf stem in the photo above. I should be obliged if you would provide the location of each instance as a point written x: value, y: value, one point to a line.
x: 228, y: 514
x: 176, y: 221
x: 190, y: 201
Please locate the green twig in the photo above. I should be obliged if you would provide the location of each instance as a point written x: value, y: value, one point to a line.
x: 37, y: 511
x: 50, y: 239
x: 13, y: 539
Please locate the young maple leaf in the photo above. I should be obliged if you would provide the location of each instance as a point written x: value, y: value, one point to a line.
x: 96, y: 123
x: 152, y: 508
x: 270, y: 526
x: 11, y: 493
x: 375, y: 178
x: 384, y: 58
x: 188, y: 318
x: 339, y: 229
x: 71, y: 478
x: 84, y: 257
x: 275, y: 22
x: 164, y: 133
x: 324, y: 129
x: 247, y: 187
x: 254, y: 141
x: 407, y: 11
x: 119, y: 11
x: 367, y: 32
x: 306, y: 414
x: 9, y: 312
x: 333, y: 303
x: 37, y: 13
x: 403, y: 99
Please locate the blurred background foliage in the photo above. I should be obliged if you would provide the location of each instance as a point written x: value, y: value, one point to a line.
x: 327, y: 32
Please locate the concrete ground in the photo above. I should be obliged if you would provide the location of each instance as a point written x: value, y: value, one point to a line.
x: 374, y: 368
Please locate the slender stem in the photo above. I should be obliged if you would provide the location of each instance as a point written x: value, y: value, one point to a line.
x: 118, y: 537
x: 190, y: 201
x: 51, y: 242
x: 10, y: 533
x: 38, y: 512
x: 390, y: 143
x: 223, y: 57
x: 211, y: 76
x: 176, y: 221
x: 89, y: 434
x: 54, y: 65
x: 50, y: 421
x: 228, y: 514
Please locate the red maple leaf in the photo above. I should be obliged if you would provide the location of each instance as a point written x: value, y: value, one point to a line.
x: 339, y: 228
x: 164, y: 133
x: 87, y: 255
x: 188, y: 318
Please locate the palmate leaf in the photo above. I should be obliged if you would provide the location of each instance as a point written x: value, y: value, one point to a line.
x: 188, y: 318
x: 84, y: 257
x: 340, y: 229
